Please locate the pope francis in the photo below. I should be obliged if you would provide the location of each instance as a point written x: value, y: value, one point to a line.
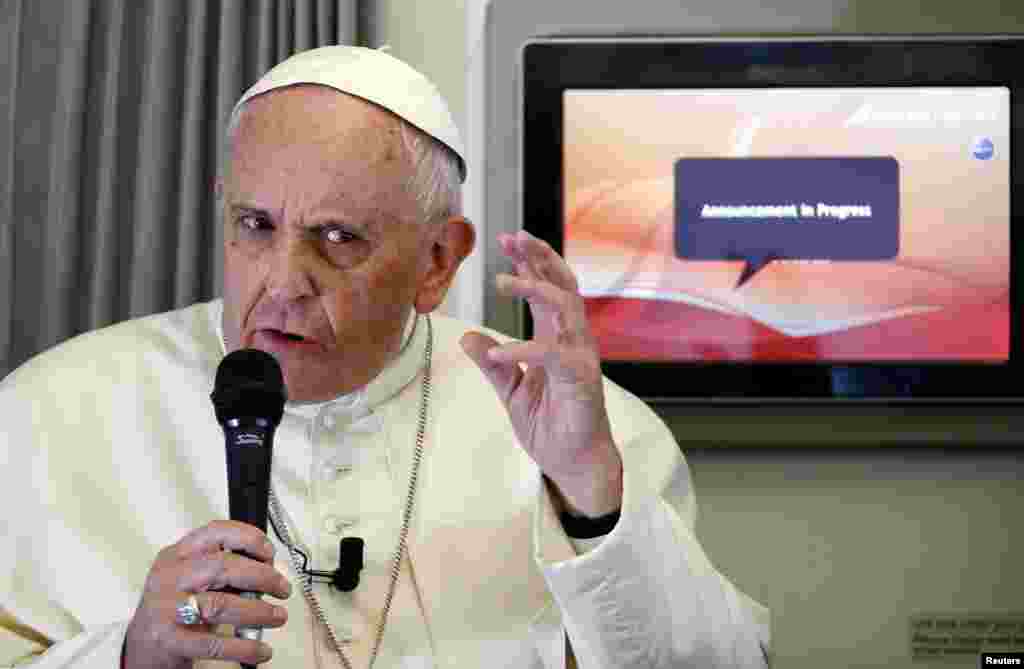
x: 517, y: 509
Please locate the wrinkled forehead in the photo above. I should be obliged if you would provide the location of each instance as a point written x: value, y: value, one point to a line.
x: 312, y: 116
x: 321, y: 140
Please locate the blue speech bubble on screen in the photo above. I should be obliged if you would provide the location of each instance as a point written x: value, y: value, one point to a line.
x: 764, y: 209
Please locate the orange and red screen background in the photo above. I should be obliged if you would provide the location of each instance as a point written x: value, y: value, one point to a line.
x: 944, y: 297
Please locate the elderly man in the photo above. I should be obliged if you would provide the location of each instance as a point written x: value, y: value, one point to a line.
x: 517, y: 509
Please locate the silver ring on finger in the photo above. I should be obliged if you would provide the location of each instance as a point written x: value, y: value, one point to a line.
x: 187, y: 612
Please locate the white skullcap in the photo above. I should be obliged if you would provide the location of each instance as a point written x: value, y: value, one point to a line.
x: 372, y: 75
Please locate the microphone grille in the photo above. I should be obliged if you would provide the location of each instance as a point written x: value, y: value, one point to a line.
x: 249, y: 383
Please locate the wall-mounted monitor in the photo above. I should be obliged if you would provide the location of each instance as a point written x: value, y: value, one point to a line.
x: 787, y: 218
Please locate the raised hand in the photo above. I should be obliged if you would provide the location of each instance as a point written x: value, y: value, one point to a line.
x: 556, y: 403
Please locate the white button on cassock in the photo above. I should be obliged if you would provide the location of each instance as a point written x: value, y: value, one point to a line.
x: 332, y: 471
x: 337, y: 524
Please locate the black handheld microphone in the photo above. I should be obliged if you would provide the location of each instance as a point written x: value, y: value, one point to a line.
x: 248, y: 399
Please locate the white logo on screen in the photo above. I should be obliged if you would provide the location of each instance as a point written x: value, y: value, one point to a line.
x: 983, y: 149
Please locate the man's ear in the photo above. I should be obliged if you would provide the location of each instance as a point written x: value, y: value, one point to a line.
x: 450, y: 246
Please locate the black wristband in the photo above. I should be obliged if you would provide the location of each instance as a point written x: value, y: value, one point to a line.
x: 579, y: 527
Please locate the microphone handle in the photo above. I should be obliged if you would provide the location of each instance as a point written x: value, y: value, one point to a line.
x: 251, y: 633
x: 249, y: 450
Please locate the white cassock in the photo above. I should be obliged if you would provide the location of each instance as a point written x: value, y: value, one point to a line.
x: 109, y: 451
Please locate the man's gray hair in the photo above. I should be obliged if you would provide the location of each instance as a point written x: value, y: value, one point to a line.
x: 436, y: 179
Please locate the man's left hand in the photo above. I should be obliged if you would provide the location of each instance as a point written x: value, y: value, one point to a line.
x: 556, y: 404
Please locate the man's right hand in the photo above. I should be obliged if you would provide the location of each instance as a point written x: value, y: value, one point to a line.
x: 199, y: 564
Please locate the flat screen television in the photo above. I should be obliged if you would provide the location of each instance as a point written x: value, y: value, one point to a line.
x: 780, y: 219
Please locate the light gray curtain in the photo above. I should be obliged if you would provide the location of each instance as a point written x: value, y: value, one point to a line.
x: 111, y: 116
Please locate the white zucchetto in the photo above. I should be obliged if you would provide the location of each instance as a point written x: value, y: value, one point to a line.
x: 372, y: 75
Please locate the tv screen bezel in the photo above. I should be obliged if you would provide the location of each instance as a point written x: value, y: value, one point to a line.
x: 549, y: 66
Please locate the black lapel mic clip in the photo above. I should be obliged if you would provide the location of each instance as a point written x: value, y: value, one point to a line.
x: 350, y: 563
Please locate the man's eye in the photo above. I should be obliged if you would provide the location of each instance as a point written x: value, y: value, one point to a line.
x: 251, y: 223
x: 339, y: 236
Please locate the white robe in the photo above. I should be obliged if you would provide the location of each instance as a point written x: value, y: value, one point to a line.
x: 109, y: 450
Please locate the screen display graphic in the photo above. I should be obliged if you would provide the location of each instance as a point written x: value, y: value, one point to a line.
x: 791, y: 225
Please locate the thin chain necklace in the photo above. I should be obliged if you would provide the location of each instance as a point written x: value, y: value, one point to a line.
x: 396, y: 565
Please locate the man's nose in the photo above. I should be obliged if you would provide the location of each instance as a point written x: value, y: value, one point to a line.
x: 289, y: 276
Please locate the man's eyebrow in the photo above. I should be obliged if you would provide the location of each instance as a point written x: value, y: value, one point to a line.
x: 249, y: 208
x: 317, y: 222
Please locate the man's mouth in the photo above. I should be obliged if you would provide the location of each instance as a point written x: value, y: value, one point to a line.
x: 284, y: 340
